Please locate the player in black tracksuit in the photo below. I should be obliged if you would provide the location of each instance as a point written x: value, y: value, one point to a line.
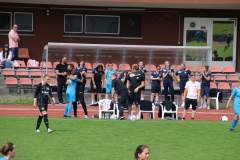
x: 122, y: 91
x: 41, y: 98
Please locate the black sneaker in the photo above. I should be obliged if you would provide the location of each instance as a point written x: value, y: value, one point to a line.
x: 121, y: 118
x: 64, y: 116
x: 69, y: 116
x: 183, y: 118
x: 231, y: 130
x: 192, y: 118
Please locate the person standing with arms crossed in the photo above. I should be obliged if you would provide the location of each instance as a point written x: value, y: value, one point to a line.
x: 236, y: 105
x: 143, y: 72
x: 42, y: 95
x: 122, y: 92
x: 61, y: 71
x: 134, y: 83
x: 108, y: 81
x: 168, y: 80
x: 156, y: 78
x: 191, y: 95
x: 8, y: 150
x: 182, y: 77
x: 13, y: 41
x: 205, y: 86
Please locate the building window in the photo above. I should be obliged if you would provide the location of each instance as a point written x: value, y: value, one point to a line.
x: 102, y: 24
x: 73, y: 23
x: 24, y: 20
x: 5, y: 21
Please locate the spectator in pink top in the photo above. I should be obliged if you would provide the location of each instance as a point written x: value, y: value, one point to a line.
x: 13, y: 41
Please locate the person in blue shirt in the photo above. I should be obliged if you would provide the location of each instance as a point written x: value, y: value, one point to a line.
x: 97, y: 83
x: 123, y: 77
x: 205, y: 86
x: 108, y: 81
x: 182, y: 77
x: 168, y: 74
x: 71, y: 91
x: 236, y: 105
x: 8, y: 151
x: 198, y: 35
x: 143, y: 72
x: 156, y: 78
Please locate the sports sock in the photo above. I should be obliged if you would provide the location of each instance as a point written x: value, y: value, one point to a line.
x: 208, y: 105
x: 234, y: 123
x: 39, y: 122
x: 69, y: 110
x: 46, y: 121
x: 142, y: 98
x: 201, y: 104
x: 66, y: 109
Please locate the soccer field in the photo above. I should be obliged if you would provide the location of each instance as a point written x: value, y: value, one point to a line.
x: 99, y: 139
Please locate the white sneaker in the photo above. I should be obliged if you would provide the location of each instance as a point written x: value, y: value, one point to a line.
x: 49, y: 130
x: 37, y: 130
x: 208, y: 107
x: 137, y: 117
x: 200, y: 107
x: 182, y: 105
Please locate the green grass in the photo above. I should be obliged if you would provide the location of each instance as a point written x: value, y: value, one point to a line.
x: 21, y: 101
x: 223, y: 28
x: 220, y: 49
x: 195, y: 43
x: 95, y: 139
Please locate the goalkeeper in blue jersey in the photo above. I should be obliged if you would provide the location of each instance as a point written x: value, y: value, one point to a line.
x: 71, y: 90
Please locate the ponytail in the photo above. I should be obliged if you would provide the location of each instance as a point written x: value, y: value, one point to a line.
x: 44, y: 76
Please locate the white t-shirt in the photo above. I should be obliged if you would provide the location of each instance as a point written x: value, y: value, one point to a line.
x: 192, y: 88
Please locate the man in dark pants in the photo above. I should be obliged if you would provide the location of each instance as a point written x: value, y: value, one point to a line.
x: 61, y: 71
x: 122, y: 91
x: 80, y: 93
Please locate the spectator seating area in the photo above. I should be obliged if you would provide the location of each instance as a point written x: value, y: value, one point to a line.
x: 27, y: 77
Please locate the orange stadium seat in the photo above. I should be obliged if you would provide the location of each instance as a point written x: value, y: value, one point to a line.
x: 88, y: 65
x: 49, y: 72
x: 36, y: 73
x: 215, y: 69
x: 88, y: 81
x: 96, y: 64
x: 162, y: 66
x: 114, y: 66
x: 220, y: 78
x: 8, y: 73
x: 228, y: 69
x: 36, y: 81
x: 89, y: 75
x: 23, y: 53
x: 176, y: 67
x: 197, y: 77
x: 134, y: 65
x: 232, y: 78
x: 22, y: 73
x: 191, y: 68
x: 43, y: 65
x: 234, y: 85
x: 147, y: 83
x: 199, y: 68
x: 21, y: 64
x: 213, y: 85
x: 223, y: 86
x: 124, y: 67
x: 74, y: 63
x: 152, y: 67
x: 25, y: 83
x: 11, y: 82
x: 53, y: 81
x: 55, y: 64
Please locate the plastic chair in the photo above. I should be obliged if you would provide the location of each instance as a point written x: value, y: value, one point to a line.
x: 152, y: 67
x: 234, y: 85
x: 36, y: 81
x: 213, y: 85
x: 114, y: 66
x: 55, y: 64
x: 220, y: 78
x: 22, y: 73
x: 215, y: 69
x: 21, y: 64
x: 23, y: 53
x: 199, y: 68
x: 191, y: 68
x: 224, y: 86
x: 124, y: 67
x: 96, y: 64
x: 36, y: 73
x: 8, y: 73
x: 176, y: 67
x: 88, y: 65
x: 214, y: 95
x: 147, y: 106
x: 104, y: 106
x: 164, y: 110
x: 25, y: 83
x: 232, y: 78
x: 44, y: 66
x: 74, y: 63
x: 53, y: 81
x: 11, y: 82
x: 228, y: 69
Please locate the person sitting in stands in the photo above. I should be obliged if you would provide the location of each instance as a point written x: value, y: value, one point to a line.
x: 6, y: 57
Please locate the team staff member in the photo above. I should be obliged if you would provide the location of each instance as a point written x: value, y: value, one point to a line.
x: 143, y: 72
x: 13, y: 41
x: 122, y: 91
x: 205, y: 86
x: 97, y: 83
x: 41, y: 97
x: 61, y: 71
x: 81, y: 75
x: 123, y: 77
x: 134, y: 83
x: 168, y: 80
x: 108, y: 81
x: 191, y: 94
x: 8, y: 150
x: 156, y: 78
x: 236, y: 105
x: 182, y: 77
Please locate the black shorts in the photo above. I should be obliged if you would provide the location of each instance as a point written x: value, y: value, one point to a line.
x: 142, y: 89
x: 182, y: 86
x: 123, y: 98
x: 42, y: 108
x: 155, y: 89
x: 134, y: 97
x: 98, y: 87
x: 189, y: 102
x: 205, y: 91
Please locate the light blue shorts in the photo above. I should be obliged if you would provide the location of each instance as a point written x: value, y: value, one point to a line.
x: 70, y: 97
x: 108, y: 88
x: 237, y: 111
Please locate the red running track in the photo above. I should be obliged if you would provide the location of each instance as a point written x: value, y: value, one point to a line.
x: 57, y: 111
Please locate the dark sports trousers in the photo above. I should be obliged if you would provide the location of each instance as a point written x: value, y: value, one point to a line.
x: 169, y: 85
x: 80, y: 97
x: 61, y: 84
x: 189, y: 102
x: 122, y: 101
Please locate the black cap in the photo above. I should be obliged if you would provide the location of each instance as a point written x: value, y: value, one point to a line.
x: 5, y: 46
